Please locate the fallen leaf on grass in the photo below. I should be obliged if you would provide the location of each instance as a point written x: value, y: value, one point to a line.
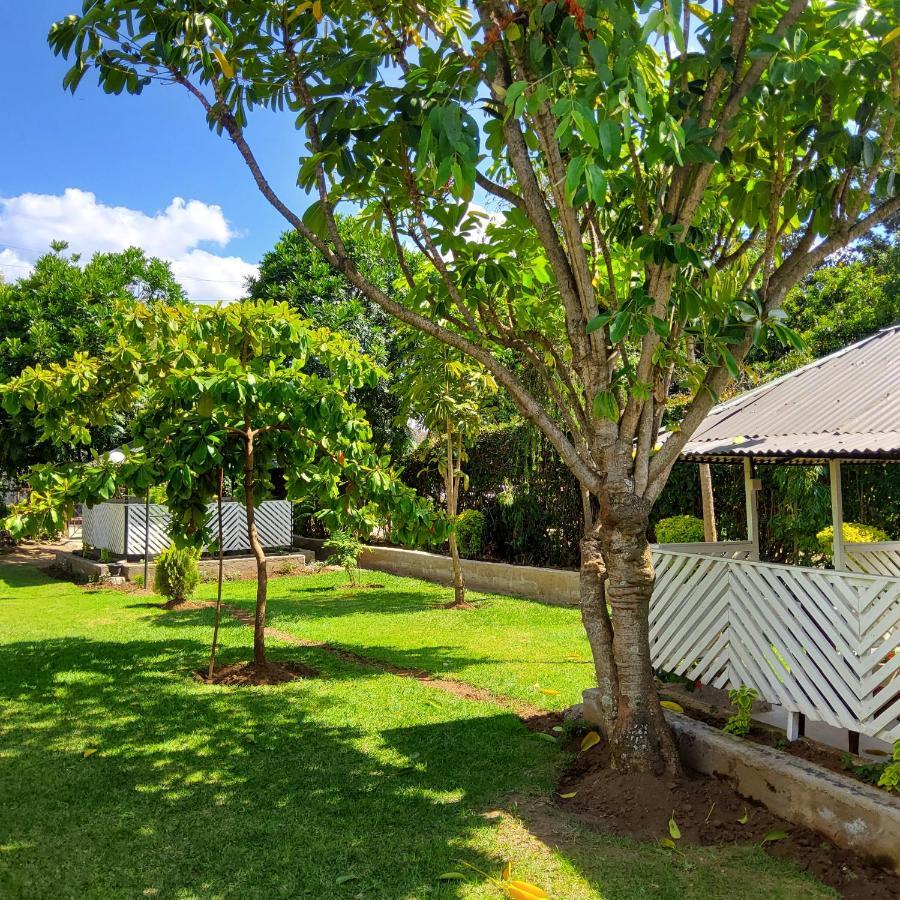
x: 744, y: 818
x: 506, y: 874
x: 558, y: 728
x: 550, y: 692
x: 545, y: 737
x: 343, y: 879
x: 90, y: 751
x: 671, y: 704
x: 668, y: 843
x: 568, y: 796
x: 451, y: 876
x: 591, y: 739
x: 523, y: 890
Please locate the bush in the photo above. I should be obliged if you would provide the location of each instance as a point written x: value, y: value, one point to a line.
x: 679, y: 530
x: 854, y: 533
x: 343, y: 550
x: 469, y: 532
x: 176, y: 575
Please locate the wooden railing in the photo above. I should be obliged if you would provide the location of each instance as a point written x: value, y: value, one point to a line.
x: 822, y: 643
x: 726, y: 549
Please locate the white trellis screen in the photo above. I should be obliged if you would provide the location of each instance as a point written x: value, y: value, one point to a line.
x: 726, y: 549
x: 874, y: 559
x: 817, y: 642
x: 120, y: 527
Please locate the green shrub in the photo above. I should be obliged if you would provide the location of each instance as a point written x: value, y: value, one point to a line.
x: 469, y: 532
x: 890, y: 778
x: 679, y: 530
x: 343, y: 549
x: 742, y: 700
x: 854, y: 533
x: 176, y: 575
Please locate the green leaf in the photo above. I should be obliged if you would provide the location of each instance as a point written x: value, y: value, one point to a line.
x: 610, y: 139
x: 599, y: 321
x: 775, y: 835
x: 674, y: 830
x: 606, y: 406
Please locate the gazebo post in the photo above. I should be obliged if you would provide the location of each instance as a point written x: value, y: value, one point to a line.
x: 750, y: 488
x: 837, y: 515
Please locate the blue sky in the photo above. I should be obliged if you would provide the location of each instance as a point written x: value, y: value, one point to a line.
x: 135, y: 155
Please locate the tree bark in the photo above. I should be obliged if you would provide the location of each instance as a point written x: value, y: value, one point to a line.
x: 709, y: 504
x: 451, y: 486
x: 597, y: 624
x: 262, y: 577
x: 641, y: 740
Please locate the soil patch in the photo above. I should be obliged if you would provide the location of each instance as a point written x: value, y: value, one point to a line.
x: 248, y: 673
x: 708, y: 810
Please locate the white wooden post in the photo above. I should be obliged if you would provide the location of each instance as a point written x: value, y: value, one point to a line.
x: 751, y: 485
x: 796, y: 725
x: 837, y: 515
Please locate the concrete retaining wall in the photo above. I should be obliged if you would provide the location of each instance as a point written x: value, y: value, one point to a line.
x: 234, y: 567
x: 849, y: 813
x: 557, y: 586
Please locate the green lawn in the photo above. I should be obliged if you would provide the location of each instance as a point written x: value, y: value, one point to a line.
x: 198, y: 791
x: 512, y: 647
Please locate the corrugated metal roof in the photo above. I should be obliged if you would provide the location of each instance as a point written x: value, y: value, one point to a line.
x: 843, y: 406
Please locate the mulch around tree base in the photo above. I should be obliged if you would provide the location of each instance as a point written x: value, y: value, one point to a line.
x: 708, y: 810
x: 248, y: 673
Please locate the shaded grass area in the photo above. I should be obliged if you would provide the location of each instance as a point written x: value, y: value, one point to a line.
x: 529, y: 651
x: 200, y: 791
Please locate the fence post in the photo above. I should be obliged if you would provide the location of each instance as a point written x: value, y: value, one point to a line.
x: 750, y: 488
x: 837, y: 514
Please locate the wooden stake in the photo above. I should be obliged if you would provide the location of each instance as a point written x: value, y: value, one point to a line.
x: 215, y: 640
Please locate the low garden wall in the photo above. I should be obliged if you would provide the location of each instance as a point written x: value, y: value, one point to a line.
x: 557, y: 586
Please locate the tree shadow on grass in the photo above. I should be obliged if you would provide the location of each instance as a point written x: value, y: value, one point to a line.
x: 243, y: 792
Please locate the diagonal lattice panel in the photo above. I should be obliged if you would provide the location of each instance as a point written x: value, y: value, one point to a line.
x: 818, y: 642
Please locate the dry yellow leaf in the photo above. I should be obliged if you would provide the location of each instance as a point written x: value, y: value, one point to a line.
x: 550, y: 692
x: 506, y: 874
x: 671, y: 704
x: 224, y: 65
x: 90, y: 751
x: 522, y: 890
x: 317, y: 10
x: 591, y: 739
x: 568, y: 796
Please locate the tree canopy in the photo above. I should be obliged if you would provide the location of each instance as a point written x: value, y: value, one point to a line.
x: 297, y: 273
x: 659, y: 175
x: 62, y: 307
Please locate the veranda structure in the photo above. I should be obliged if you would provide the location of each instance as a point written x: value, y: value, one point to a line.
x: 823, y: 643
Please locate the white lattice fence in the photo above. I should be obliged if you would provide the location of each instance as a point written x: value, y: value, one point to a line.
x: 874, y: 559
x: 110, y: 525
x: 817, y: 642
x: 726, y: 549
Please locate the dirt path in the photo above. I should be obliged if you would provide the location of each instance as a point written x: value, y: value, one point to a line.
x: 34, y: 553
x: 532, y: 716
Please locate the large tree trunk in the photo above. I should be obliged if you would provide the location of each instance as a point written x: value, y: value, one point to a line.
x: 262, y: 576
x: 597, y: 624
x: 617, y: 578
x: 641, y: 739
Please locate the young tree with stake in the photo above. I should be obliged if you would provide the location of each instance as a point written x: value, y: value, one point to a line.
x: 220, y: 392
x: 665, y: 171
x: 446, y: 393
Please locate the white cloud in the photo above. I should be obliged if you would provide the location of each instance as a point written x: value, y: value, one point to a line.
x: 13, y: 266
x: 29, y: 222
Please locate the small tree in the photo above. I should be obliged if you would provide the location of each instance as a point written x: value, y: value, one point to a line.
x: 344, y: 548
x: 446, y: 392
x: 215, y: 388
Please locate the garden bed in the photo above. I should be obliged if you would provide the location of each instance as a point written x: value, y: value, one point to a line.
x: 709, y: 811
x: 850, y: 814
